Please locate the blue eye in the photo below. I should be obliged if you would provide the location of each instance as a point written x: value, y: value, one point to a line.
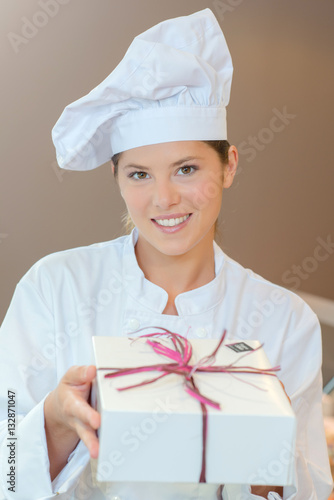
x: 187, y: 169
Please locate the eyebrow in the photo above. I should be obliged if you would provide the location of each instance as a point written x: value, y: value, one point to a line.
x: 175, y: 164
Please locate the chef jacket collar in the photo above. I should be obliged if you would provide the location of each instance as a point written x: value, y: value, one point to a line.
x: 152, y: 296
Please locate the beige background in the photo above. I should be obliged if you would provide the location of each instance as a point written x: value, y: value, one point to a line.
x: 282, y: 200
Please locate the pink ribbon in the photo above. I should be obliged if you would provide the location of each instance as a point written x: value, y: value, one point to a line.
x: 180, y: 356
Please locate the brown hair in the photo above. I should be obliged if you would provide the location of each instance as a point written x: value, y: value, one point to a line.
x: 221, y: 148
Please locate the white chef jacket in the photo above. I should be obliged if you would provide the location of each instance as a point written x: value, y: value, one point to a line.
x: 69, y: 296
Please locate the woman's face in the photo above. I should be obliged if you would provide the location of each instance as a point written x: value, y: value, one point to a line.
x: 173, y: 192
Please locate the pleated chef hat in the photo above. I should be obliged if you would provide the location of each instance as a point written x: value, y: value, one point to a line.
x: 173, y: 84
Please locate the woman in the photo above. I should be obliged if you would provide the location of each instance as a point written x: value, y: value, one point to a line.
x: 160, y: 116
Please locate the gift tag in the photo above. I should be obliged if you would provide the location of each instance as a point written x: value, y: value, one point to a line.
x: 240, y: 347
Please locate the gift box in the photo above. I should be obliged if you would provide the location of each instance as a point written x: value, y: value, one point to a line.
x: 155, y: 432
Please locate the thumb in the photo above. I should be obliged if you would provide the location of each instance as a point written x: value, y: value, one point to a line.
x: 78, y: 375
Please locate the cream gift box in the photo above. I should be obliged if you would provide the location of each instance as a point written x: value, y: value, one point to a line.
x: 154, y: 432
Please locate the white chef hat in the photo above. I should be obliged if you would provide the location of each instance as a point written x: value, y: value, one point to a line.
x: 173, y: 84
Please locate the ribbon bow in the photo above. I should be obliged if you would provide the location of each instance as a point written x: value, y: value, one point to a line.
x: 181, y: 355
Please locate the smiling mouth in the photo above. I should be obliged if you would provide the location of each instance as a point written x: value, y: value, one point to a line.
x: 171, y: 222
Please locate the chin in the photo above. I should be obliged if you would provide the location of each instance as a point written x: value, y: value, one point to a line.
x: 172, y: 245
x: 175, y: 249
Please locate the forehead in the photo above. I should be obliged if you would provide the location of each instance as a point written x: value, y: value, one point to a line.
x: 168, y: 151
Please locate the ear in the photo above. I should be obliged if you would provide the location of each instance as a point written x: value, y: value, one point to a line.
x: 231, y: 167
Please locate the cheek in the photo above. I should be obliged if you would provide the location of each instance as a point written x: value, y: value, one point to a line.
x: 135, y: 201
x: 206, y: 194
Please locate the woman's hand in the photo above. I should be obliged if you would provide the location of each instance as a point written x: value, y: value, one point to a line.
x: 69, y: 417
x: 263, y: 491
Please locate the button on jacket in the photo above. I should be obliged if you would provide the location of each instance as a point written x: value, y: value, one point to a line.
x: 70, y: 296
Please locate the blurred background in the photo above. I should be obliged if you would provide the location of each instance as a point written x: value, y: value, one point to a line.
x: 277, y: 218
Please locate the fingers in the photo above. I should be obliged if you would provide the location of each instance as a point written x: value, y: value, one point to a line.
x: 74, y: 392
x: 263, y: 491
x: 68, y: 415
x: 88, y: 437
x: 70, y: 399
x: 75, y: 407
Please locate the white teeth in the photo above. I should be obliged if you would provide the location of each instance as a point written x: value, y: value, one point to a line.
x: 171, y: 222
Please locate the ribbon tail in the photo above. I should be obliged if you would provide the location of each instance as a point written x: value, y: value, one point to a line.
x: 202, y: 478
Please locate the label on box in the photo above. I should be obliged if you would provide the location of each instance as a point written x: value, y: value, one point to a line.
x: 240, y: 347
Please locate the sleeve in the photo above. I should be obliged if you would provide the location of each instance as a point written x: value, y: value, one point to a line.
x: 301, y: 359
x: 28, y: 372
x: 313, y: 475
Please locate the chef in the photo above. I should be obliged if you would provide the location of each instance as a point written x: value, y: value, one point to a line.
x: 160, y: 117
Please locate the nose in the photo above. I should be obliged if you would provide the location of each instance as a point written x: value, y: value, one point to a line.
x: 166, y: 194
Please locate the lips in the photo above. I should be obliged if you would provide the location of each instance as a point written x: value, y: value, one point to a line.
x: 173, y: 223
